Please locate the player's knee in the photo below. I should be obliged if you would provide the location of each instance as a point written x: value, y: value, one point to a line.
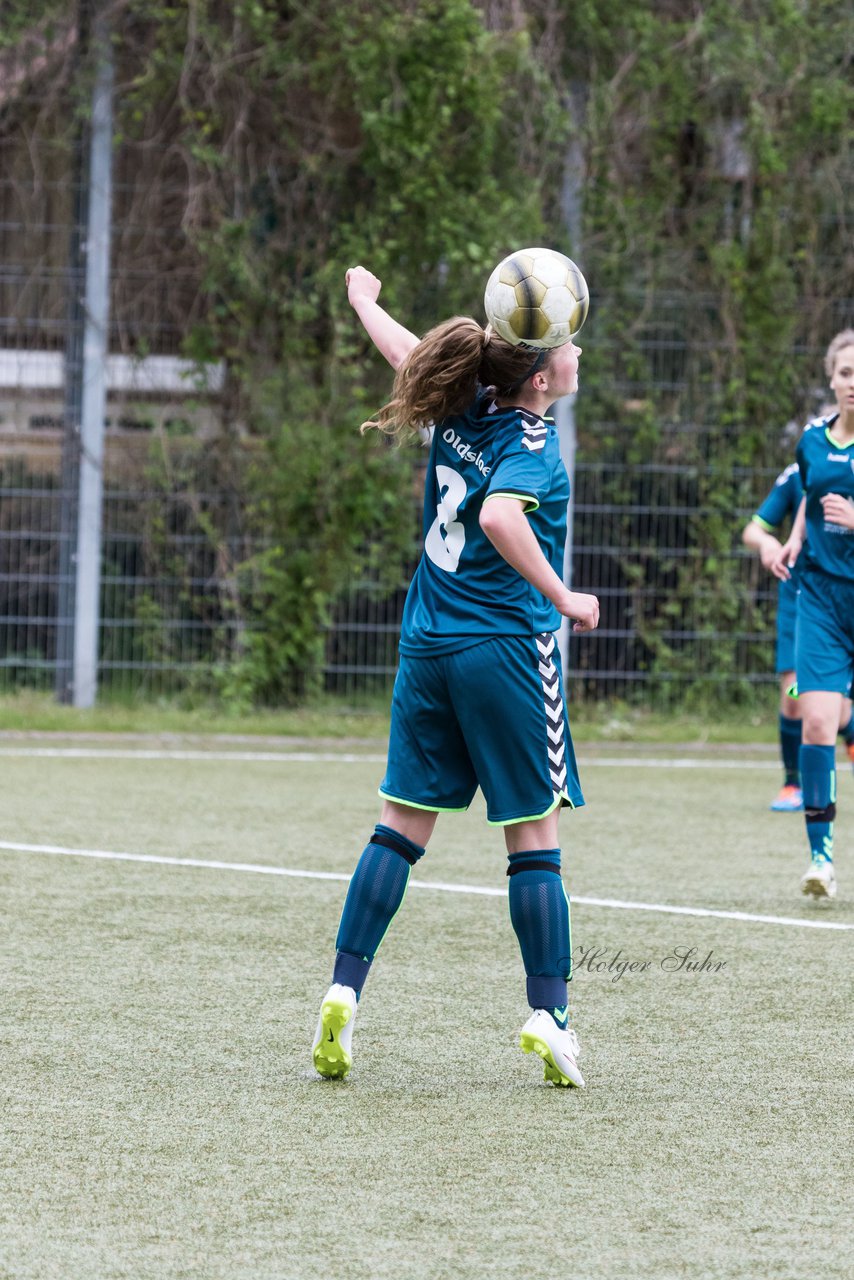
x: 413, y: 824
x: 819, y: 727
x: 388, y: 838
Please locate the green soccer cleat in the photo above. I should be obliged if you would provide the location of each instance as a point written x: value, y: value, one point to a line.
x: 558, y: 1049
x: 331, y: 1052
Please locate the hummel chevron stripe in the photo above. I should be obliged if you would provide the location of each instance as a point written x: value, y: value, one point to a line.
x: 553, y: 704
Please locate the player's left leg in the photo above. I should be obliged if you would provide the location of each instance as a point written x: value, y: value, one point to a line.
x: 818, y: 773
x: 824, y: 657
x: 428, y: 772
x: 374, y: 897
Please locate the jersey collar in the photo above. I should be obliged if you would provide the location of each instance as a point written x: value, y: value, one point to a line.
x: 829, y: 437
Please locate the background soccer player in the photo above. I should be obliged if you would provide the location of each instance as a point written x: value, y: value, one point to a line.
x: 760, y: 534
x: 821, y: 544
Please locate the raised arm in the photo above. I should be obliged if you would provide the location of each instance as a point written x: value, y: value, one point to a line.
x: 390, y: 338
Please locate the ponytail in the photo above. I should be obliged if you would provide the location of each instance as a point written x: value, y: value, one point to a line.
x: 441, y: 375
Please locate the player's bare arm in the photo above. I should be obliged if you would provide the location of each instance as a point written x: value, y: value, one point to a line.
x: 504, y: 522
x: 785, y: 561
x: 760, y: 540
x: 390, y: 338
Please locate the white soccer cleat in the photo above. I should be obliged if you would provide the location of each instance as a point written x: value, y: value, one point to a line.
x: 331, y: 1052
x: 559, y: 1049
x: 820, y: 880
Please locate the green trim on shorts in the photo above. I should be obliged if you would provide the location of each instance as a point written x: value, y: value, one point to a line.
x: 428, y: 808
x: 533, y: 817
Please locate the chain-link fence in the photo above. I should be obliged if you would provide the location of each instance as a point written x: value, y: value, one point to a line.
x: 658, y: 511
x: 172, y: 620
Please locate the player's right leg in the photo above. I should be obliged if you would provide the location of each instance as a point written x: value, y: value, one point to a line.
x: 428, y: 772
x: 790, y: 798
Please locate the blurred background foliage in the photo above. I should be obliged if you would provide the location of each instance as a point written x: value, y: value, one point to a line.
x: 694, y: 158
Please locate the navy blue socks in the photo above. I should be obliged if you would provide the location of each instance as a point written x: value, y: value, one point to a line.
x: 818, y: 777
x: 376, y: 891
x: 790, y: 745
x: 539, y: 913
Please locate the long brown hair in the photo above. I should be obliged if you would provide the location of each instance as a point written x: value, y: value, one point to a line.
x: 843, y: 339
x: 440, y: 376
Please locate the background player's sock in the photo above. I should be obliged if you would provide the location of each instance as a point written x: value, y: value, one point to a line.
x: 790, y: 745
x: 847, y: 731
x: 539, y: 913
x: 818, y: 778
x: 373, y: 898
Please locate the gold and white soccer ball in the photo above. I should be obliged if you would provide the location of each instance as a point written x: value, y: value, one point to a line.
x: 537, y: 297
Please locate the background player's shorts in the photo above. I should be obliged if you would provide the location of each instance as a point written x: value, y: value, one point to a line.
x: 824, y: 648
x: 491, y: 715
x: 787, y: 616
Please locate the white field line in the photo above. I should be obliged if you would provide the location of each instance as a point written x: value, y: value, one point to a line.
x: 333, y: 757
x: 439, y: 885
x: 130, y: 753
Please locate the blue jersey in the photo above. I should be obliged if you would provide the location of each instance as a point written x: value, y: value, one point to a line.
x: 463, y: 591
x: 783, y: 500
x: 826, y: 467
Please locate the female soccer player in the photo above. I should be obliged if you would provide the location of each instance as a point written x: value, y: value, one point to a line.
x: 478, y: 699
x: 780, y: 505
x: 824, y: 648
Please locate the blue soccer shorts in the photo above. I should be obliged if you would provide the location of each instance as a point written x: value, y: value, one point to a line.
x: 489, y: 716
x: 824, y: 647
x: 787, y: 617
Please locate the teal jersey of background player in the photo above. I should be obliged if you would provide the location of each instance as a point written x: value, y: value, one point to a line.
x: 783, y: 500
x: 826, y: 467
x: 463, y: 591
x: 781, y: 504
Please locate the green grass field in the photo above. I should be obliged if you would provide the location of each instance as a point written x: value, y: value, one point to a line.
x: 161, y: 1116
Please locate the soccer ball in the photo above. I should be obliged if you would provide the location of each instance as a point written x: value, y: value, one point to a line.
x: 537, y: 297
